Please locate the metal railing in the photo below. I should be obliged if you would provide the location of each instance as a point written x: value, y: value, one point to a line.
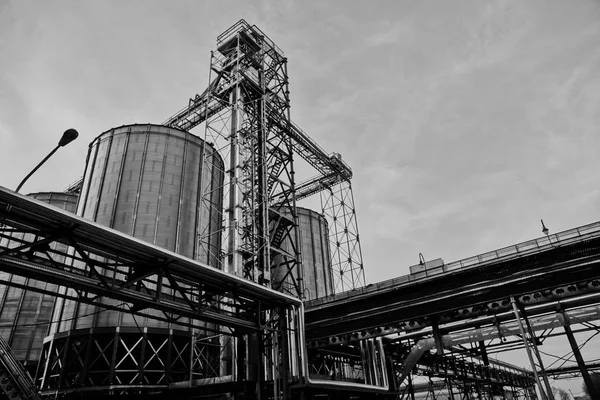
x: 530, y: 247
x: 244, y: 26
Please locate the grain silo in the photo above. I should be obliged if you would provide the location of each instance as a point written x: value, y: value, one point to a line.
x: 160, y: 185
x: 24, y: 314
x: 316, y: 257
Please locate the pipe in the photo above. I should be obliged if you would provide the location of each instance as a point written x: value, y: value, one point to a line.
x: 326, y: 383
x: 382, y: 365
x: 511, y: 328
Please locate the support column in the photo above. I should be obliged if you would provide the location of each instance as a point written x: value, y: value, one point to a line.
x: 450, y: 392
x: 64, y: 358
x: 527, y: 349
x: 478, y: 389
x: 437, y: 336
x: 432, y: 388
x: 483, y: 353
x: 537, y: 353
x: 486, y: 363
x: 411, y: 388
x: 531, y: 395
x: 285, y: 361
x: 580, y: 362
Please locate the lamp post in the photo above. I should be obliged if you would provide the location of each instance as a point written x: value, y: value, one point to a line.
x: 545, y: 230
x: 68, y: 136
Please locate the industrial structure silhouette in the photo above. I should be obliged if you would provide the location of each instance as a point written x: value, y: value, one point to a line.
x: 182, y: 266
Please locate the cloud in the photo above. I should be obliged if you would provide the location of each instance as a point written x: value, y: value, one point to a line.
x: 453, y: 116
x: 388, y: 34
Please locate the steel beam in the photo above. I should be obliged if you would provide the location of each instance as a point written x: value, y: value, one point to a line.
x: 580, y: 362
x: 535, y: 349
x: 97, y: 252
x: 483, y: 291
x: 572, y: 370
x: 528, y: 350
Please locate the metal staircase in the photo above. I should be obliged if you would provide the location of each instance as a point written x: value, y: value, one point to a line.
x: 15, y: 382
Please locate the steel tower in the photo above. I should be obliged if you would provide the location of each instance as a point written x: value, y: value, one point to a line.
x: 245, y: 112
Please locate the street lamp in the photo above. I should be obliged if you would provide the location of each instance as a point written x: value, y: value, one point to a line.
x: 545, y: 230
x: 68, y: 136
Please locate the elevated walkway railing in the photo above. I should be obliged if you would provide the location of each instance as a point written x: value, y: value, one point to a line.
x: 528, y: 248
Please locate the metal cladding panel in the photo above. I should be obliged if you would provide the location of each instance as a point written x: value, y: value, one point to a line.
x: 25, y: 315
x: 145, y: 180
x: 316, y: 258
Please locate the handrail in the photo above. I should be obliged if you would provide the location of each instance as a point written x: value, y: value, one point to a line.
x: 242, y: 25
x: 530, y: 247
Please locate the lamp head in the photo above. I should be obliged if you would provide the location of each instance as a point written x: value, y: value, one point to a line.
x: 68, y: 137
x: 545, y: 230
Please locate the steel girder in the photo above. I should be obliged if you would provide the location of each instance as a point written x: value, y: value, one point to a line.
x: 95, y: 262
x: 567, y: 269
x: 423, y: 346
x: 464, y: 370
x: 470, y: 306
x: 101, y: 262
x: 124, y: 361
x: 571, y: 370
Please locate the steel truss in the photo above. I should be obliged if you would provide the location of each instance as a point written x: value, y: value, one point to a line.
x: 103, y: 262
x: 458, y: 388
x: 250, y: 133
x: 537, y: 275
x: 96, y: 262
x: 464, y: 375
x: 245, y: 112
x: 248, y: 126
x: 246, y: 115
x: 549, y: 285
x: 122, y: 361
x: 337, y: 204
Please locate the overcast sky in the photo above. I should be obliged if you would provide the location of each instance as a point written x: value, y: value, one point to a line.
x: 465, y: 122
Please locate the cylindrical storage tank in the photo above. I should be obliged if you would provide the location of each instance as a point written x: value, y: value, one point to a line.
x: 24, y: 314
x: 163, y: 186
x: 145, y: 180
x: 316, y: 256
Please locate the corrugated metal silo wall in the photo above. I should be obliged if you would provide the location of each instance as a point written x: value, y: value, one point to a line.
x: 25, y: 315
x: 316, y: 257
x: 145, y: 180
